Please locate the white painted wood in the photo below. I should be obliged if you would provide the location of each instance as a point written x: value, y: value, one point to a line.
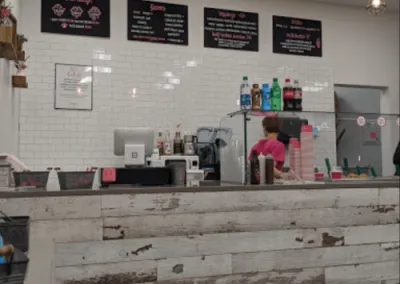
x: 390, y: 251
x: 356, y: 274
x: 135, y: 271
x: 371, y: 234
x: 174, y: 247
x: 216, y: 244
x: 224, y: 222
x: 389, y: 196
x: 68, y: 230
x: 315, y: 257
x: 206, y: 202
x: 41, y: 261
x: 190, y: 267
x: 53, y: 208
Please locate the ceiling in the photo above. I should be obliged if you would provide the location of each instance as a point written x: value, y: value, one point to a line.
x: 393, y: 5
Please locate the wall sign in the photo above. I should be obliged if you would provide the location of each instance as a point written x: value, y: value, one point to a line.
x: 158, y: 22
x: 297, y: 36
x: 73, y: 87
x: 76, y: 17
x: 230, y: 29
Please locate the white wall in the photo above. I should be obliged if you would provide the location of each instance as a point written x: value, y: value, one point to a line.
x: 9, y: 101
x: 358, y: 50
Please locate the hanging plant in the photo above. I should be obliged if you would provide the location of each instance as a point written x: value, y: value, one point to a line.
x: 5, y: 12
x: 20, y: 65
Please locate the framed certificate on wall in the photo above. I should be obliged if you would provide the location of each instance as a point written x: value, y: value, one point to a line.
x: 73, y: 87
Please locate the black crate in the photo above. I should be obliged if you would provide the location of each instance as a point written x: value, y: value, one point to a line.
x: 15, y: 231
x: 36, y: 179
x: 75, y: 180
x: 14, y: 269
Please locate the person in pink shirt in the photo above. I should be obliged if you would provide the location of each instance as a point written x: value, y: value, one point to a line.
x: 270, y: 145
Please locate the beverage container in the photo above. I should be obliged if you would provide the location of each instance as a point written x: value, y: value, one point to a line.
x: 269, y: 169
x: 254, y: 168
x: 256, y: 97
x: 276, y: 96
x: 298, y: 96
x: 167, y: 144
x: 245, y: 94
x: 266, y: 98
x: 160, y: 143
x: 288, y: 96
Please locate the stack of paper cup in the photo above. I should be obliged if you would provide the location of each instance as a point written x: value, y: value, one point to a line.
x: 294, y: 158
x: 307, y: 153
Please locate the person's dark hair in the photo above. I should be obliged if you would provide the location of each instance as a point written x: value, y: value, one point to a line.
x: 271, y: 124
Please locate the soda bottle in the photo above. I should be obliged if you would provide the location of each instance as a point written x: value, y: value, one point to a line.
x: 245, y: 94
x: 288, y: 96
x: 298, y: 96
x: 276, y: 96
x: 266, y: 98
x: 254, y: 168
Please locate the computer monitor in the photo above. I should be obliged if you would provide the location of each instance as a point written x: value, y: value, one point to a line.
x: 134, y: 143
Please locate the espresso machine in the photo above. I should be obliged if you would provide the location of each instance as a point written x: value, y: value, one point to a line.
x: 210, y: 140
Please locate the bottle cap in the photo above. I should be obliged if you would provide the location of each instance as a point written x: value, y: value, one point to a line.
x: 275, y: 79
x: 269, y: 156
x: 245, y: 78
x: 296, y: 81
x: 265, y: 85
x: 255, y: 86
x: 287, y: 80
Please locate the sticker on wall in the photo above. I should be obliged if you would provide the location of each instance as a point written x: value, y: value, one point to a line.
x: 73, y: 87
x: 85, y: 18
x: 381, y: 121
x: 228, y: 29
x: 361, y: 121
x: 158, y: 22
x: 297, y: 36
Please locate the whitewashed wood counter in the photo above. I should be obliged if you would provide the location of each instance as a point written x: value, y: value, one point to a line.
x: 346, y: 234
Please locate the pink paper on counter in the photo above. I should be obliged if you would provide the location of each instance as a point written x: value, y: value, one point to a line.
x: 109, y: 175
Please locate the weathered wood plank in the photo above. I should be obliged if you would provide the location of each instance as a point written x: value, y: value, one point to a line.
x: 124, y: 272
x: 371, y: 234
x: 226, y: 222
x: 305, y: 258
x: 68, y: 230
x: 294, y: 276
x: 390, y: 251
x: 389, y: 196
x: 190, y: 267
x: 175, y: 247
x: 53, y: 208
x: 356, y: 274
x: 205, y: 202
x: 217, y: 244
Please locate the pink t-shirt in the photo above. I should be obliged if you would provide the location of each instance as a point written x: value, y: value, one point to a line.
x: 271, y: 147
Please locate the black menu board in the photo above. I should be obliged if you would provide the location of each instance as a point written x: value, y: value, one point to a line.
x: 158, y: 22
x: 76, y: 17
x: 230, y: 29
x: 297, y: 36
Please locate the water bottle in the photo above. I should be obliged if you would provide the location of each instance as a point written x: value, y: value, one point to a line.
x: 1, y: 244
x: 245, y: 94
x: 266, y: 98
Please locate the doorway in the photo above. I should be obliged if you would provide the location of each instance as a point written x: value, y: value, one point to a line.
x: 360, y: 145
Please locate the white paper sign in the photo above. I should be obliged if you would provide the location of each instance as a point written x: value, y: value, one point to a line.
x: 74, y: 87
x: 361, y: 121
x: 381, y: 121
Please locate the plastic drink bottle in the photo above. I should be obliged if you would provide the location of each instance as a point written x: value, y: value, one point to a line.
x: 288, y: 96
x: 298, y: 96
x: 276, y: 96
x: 266, y: 98
x: 245, y: 94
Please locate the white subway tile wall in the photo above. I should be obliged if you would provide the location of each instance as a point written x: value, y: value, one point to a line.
x: 153, y: 86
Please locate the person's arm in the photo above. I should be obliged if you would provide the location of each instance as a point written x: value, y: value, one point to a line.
x: 396, y: 156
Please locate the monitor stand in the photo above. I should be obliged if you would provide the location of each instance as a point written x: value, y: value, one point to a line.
x: 134, y: 155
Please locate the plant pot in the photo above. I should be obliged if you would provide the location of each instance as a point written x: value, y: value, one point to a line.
x: 19, y: 81
x: 6, y: 34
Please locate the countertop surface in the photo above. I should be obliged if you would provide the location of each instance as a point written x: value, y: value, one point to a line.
x: 205, y: 187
